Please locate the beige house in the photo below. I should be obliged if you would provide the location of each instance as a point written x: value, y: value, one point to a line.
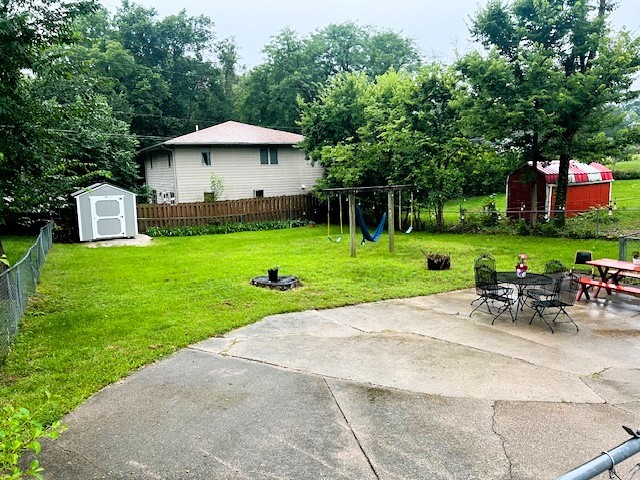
x: 251, y: 161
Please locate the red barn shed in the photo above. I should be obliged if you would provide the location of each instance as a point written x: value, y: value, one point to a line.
x: 589, y: 186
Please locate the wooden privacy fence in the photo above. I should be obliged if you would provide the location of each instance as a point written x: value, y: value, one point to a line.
x: 245, y: 210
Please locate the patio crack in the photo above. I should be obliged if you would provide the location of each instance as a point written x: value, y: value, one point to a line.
x: 79, y: 455
x: 342, y: 323
x: 494, y: 427
x: 355, y: 437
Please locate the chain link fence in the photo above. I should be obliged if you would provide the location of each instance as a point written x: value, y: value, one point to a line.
x: 608, y: 223
x: 17, y: 284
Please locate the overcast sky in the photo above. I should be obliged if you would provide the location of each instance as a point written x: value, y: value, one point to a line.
x: 439, y: 27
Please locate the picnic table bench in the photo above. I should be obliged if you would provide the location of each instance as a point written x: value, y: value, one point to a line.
x: 587, y: 283
x: 610, y: 273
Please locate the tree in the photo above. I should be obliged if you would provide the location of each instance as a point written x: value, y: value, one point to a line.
x: 267, y: 94
x: 551, y: 77
x: 398, y: 129
x: 296, y: 66
x: 228, y: 57
x: 174, y: 51
x: 28, y: 27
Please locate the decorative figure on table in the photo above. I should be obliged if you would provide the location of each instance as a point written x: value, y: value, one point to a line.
x: 521, y: 266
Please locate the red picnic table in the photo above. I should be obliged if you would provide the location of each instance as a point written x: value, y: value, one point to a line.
x: 611, y: 271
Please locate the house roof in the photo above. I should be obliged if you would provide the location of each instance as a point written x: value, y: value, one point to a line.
x: 578, y: 172
x: 236, y: 133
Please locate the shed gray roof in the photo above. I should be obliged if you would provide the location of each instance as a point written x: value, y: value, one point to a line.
x: 236, y: 133
x: 95, y: 186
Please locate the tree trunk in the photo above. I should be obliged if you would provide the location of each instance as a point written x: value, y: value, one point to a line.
x: 4, y: 265
x: 439, y: 215
x: 534, y: 187
x: 561, y: 190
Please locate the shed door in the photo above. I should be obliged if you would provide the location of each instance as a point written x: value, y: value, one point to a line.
x: 107, y: 216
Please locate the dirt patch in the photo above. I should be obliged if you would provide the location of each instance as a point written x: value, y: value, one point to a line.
x: 137, y: 241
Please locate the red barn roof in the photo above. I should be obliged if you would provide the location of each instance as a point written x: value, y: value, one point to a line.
x: 578, y: 172
x: 236, y: 133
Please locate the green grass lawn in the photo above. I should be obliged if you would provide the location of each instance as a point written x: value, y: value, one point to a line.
x: 101, y: 313
x: 15, y: 247
x: 626, y: 193
x: 633, y: 164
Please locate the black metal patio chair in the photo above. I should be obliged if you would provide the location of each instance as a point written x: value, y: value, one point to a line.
x: 490, y: 293
x: 553, y: 269
x: 565, y: 291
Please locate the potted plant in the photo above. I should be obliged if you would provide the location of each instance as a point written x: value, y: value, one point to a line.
x: 521, y: 265
x: 437, y: 261
x: 273, y: 274
x: 636, y: 257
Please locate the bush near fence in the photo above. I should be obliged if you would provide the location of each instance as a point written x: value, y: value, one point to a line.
x: 602, y: 223
x: 223, y: 228
x: 294, y: 207
x: 17, y: 284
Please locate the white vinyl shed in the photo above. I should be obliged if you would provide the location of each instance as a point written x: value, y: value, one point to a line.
x: 105, y: 211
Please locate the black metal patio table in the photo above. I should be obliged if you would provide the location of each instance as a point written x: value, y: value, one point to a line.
x: 522, y: 283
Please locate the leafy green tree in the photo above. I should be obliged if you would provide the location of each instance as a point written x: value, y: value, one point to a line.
x: 30, y: 160
x: 398, y: 129
x: 175, y: 51
x: 296, y: 66
x: 335, y: 116
x: 228, y: 58
x: 29, y: 25
x: 267, y: 94
x: 550, y: 80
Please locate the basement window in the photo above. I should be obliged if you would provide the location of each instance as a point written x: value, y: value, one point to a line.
x: 258, y: 193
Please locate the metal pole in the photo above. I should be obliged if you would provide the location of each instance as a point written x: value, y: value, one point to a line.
x: 391, y: 220
x: 352, y: 222
x: 604, y: 462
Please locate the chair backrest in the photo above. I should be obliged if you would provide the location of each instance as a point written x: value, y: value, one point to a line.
x: 582, y: 257
x: 568, y: 289
x: 486, y: 260
x: 580, y: 260
x: 554, y: 266
x: 486, y: 278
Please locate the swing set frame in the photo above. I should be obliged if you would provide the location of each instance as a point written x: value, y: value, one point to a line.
x: 351, y: 196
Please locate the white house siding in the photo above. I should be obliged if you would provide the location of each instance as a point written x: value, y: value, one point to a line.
x: 161, y: 177
x: 242, y: 174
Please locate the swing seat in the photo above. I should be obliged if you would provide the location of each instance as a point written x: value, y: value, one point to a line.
x: 366, y: 235
x: 410, y: 229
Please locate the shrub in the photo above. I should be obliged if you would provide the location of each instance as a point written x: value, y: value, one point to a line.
x: 217, y: 187
x: 490, y: 212
x: 626, y: 174
x: 523, y: 227
x: 19, y: 433
x: 222, y: 228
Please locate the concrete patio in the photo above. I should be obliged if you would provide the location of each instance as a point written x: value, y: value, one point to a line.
x: 400, y: 389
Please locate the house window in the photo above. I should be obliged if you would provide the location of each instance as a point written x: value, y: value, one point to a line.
x: 268, y: 156
x: 206, y: 157
x: 169, y: 159
x: 258, y: 193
